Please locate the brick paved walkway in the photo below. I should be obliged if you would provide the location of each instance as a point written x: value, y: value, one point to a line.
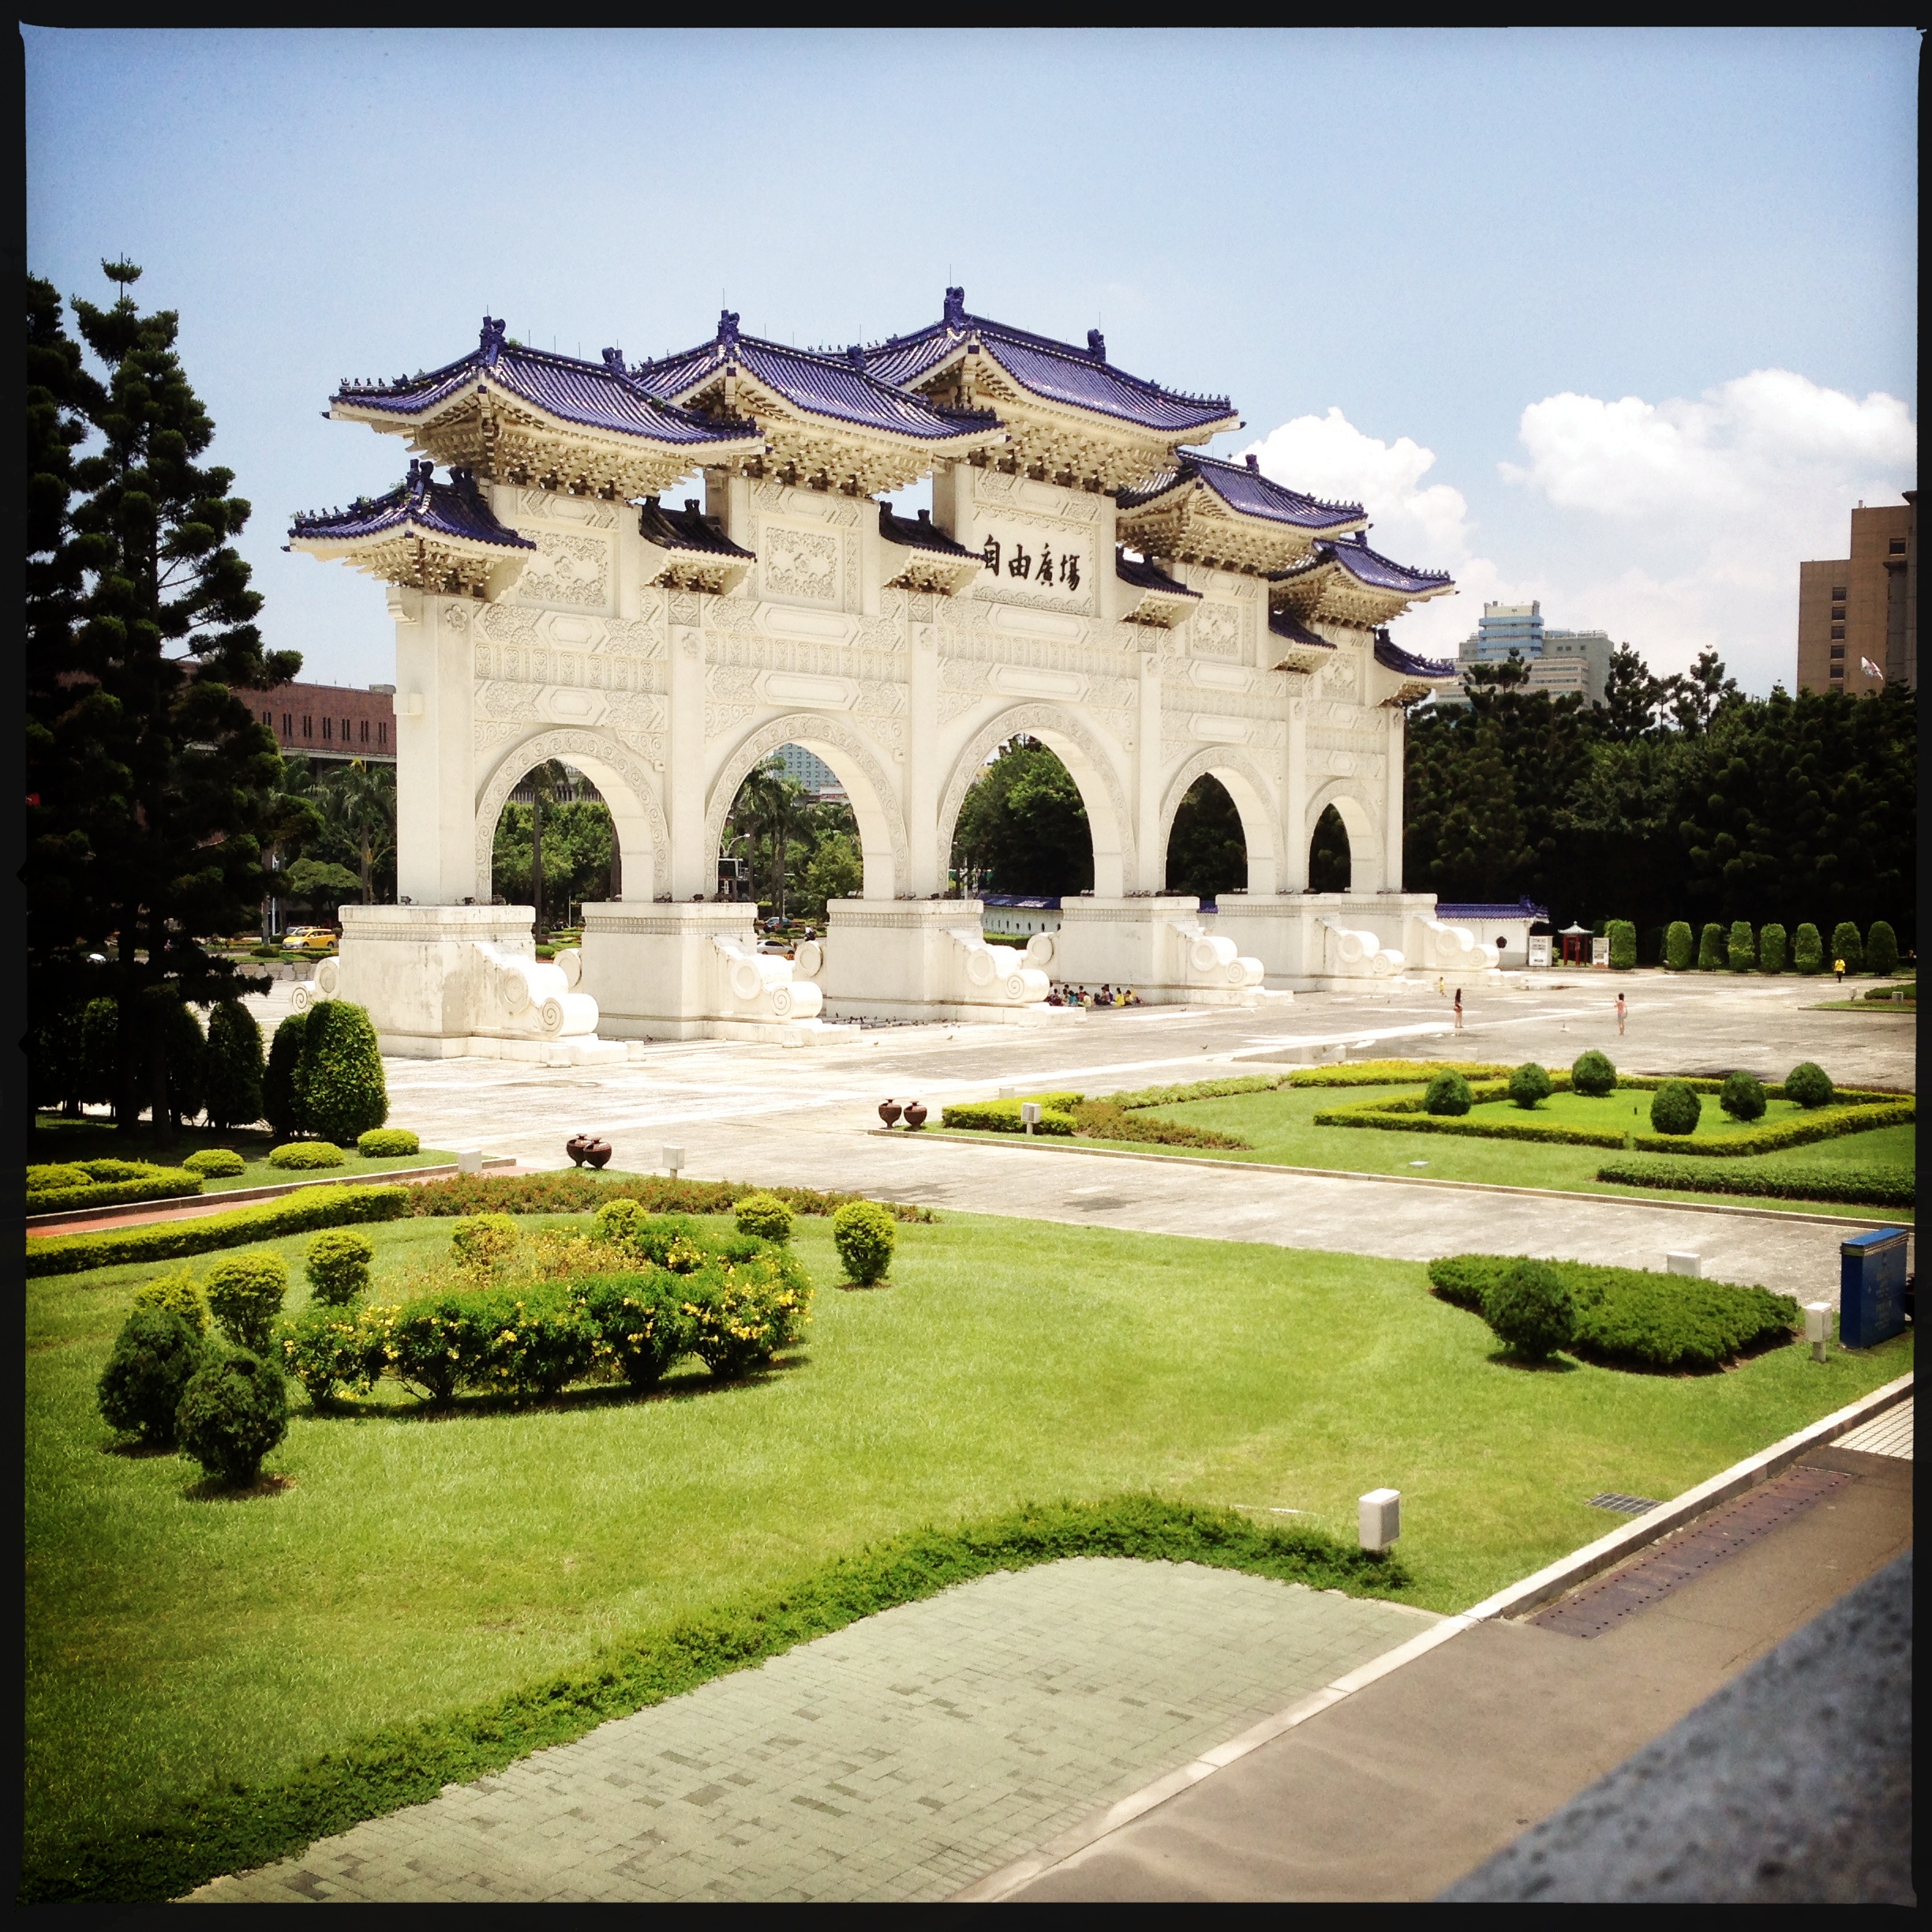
x: 898, y: 1759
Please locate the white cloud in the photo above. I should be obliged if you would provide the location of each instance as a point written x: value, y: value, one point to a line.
x: 1686, y: 520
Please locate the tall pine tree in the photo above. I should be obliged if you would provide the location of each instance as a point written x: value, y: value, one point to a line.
x: 151, y: 784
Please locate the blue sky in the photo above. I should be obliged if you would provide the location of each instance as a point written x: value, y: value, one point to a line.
x: 1623, y: 320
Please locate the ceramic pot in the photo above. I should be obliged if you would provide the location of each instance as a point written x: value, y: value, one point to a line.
x: 915, y: 1114
x: 889, y: 1111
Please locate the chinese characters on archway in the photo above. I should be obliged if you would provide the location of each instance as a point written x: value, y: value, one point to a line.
x: 1040, y: 567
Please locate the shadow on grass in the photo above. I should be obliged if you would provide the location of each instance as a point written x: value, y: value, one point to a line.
x: 582, y: 1399
x: 1533, y: 1365
x: 212, y: 1489
x: 135, y: 1450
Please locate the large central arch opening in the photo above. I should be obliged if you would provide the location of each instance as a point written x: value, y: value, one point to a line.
x: 1023, y: 826
x: 791, y: 841
x: 554, y: 847
x: 1331, y: 866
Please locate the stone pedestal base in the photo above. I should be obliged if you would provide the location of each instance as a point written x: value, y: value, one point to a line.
x: 922, y: 959
x: 446, y: 982
x: 1318, y: 941
x: 1159, y: 947
x: 692, y: 972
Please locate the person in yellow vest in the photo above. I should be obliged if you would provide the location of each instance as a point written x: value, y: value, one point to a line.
x: 1838, y: 968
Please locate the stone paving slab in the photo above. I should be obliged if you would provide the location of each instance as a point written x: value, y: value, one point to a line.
x: 898, y: 1759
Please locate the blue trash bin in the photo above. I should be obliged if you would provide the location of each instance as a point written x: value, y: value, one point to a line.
x: 1871, y: 1287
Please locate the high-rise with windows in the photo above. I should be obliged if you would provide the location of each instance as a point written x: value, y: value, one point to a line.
x: 1858, y: 618
x: 1559, y: 662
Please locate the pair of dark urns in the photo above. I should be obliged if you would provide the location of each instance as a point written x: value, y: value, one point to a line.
x: 587, y: 1149
x: 914, y: 1110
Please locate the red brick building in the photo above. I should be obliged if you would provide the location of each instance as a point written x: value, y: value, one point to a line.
x: 331, y: 723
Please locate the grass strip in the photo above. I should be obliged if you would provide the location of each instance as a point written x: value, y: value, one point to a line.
x: 235, y: 1827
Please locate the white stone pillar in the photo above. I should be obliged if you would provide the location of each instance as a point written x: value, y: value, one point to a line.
x: 685, y: 760
x: 922, y: 774
x: 1147, y: 767
x: 1392, y: 810
x: 1292, y: 873
x: 436, y: 750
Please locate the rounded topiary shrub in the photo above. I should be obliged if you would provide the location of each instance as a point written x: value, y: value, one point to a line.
x: 1622, y: 933
x: 617, y: 1220
x: 484, y: 1243
x: 339, y: 1079
x: 338, y: 1266
x: 864, y: 1234
x: 1676, y: 1109
x: 216, y: 1163
x: 1846, y: 946
x: 1807, y: 948
x: 280, y: 1107
x: 765, y: 1216
x: 154, y: 1357
x: 1743, y: 1096
x: 1677, y: 946
x: 1809, y: 1085
x: 1881, y: 949
x: 1529, y: 1083
x: 233, y: 1412
x: 387, y: 1143
x: 1530, y: 1310
x: 179, y: 1294
x: 1593, y: 1074
x: 231, y: 1067
x: 245, y: 1295
x: 1448, y: 1093
x: 1739, y: 950
x: 1774, y: 949
x: 1712, y: 951
x: 300, y: 1156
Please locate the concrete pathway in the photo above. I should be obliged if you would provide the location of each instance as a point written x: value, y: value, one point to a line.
x: 898, y: 1759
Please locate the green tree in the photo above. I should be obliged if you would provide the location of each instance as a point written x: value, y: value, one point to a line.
x: 1023, y: 827
x: 318, y: 884
x: 1206, y: 850
x: 359, y: 806
x: 1846, y: 946
x: 153, y: 783
x: 836, y: 871
x: 1331, y: 859
x: 232, y: 1068
x: 1631, y: 696
x: 770, y: 807
x: 1741, y: 955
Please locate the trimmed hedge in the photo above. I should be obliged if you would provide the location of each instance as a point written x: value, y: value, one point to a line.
x: 1846, y: 945
x: 1877, y: 1186
x: 1622, y: 933
x: 340, y: 1090
x: 1593, y: 1074
x: 1530, y: 1084
x: 1809, y: 1085
x: 1773, y: 945
x: 864, y: 1234
x: 280, y: 1107
x: 388, y: 1143
x: 1677, y: 946
x: 1675, y: 1110
x: 1739, y: 951
x: 1881, y: 952
x: 1393, y: 1073
x: 1108, y: 1120
x: 106, y: 1184
x: 245, y: 1295
x: 167, y: 1241
x: 306, y: 1156
x: 1530, y: 1310
x: 1808, y: 949
x: 231, y: 1066
x: 1003, y: 1116
x: 1743, y: 1096
x: 216, y: 1163
x: 232, y: 1827
x: 1711, y: 952
x: 571, y: 1190
x: 154, y: 1357
x: 233, y: 1412
x: 1633, y: 1318
x: 1448, y: 1094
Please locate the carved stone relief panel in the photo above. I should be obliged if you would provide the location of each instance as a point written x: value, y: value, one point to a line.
x: 567, y: 572
x: 1216, y: 629
x: 799, y: 562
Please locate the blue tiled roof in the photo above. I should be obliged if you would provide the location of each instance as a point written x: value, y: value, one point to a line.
x: 600, y: 395
x: 1146, y: 577
x: 840, y: 387
x: 1056, y: 371
x: 1281, y: 625
x: 1368, y: 567
x: 1393, y: 657
x: 1522, y: 909
x: 1245, y: 490
x: 453, y: 509
x: 1014, y: 899
x: 920, y: 532
x: 688, y: 529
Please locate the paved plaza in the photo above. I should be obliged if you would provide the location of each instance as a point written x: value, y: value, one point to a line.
x: 805, y: 1117
x: 900, y: 1758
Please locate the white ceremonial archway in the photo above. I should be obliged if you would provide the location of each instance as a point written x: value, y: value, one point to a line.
x: 1248, y: 787
x: 882, y: 840
x: 620, y: 776
x: 1365, y: 833
x: 1109, y: 818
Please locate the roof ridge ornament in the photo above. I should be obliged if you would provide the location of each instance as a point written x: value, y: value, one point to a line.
x: 491, y: 341
x: 420, y: 474
x: 614, y: 361
x: 955, y: 316
x: 728, y: 328
x: 1096, y: 345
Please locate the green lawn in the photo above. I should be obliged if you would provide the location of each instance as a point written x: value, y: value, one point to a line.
x: 1627, y: 1110
x: 1280, y: 1125
x: 419, y: 1563
x: 97, y: 1140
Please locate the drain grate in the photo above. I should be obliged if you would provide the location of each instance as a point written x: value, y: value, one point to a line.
x: 1681, y: 1558
x: 1623, y: 1505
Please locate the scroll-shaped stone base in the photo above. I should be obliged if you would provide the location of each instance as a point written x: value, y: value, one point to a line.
x: 924, y: 958
x: 1159, y: 947
x: 1312, y: 940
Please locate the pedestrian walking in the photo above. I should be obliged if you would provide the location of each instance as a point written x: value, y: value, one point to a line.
x: 1458, y: 1009
x: 1838, y: 968
x: 1619, y: 1015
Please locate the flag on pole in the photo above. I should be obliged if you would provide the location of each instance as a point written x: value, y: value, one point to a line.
x: 1870, y: 669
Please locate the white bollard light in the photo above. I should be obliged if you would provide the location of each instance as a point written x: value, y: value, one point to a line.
x: 1684, y: 1261
x: 1380, y: 1516
x: 674, y: 1159
x: 1029, y: 1114
x: 1817, y: 1328
x: 469, y: 1160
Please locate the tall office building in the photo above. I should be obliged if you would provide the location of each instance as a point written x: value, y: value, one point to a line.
x: 1858, y: 616
x: 1558, y: 661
